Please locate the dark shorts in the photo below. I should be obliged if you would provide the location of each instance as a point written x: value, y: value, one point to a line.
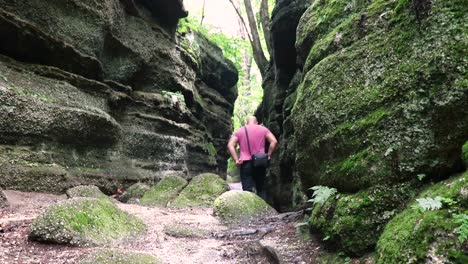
x: 253, y: 178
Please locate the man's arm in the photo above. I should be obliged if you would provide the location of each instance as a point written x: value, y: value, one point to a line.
x: 273, y: 142
x: 232, y: 149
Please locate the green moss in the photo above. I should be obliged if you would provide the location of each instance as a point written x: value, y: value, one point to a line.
x: 465, y: 153
x: 236, y: 207
x: 108, y: 256
x: 414, y: 236
x: 166, y: 190
x: 88, y: 191
x: 82, y: 221
x: 211, y: 149
x: 387, y: 94
x: 181, y: 231
x: 136, y: 191
x: 201, y: 191
x: 353, y: 222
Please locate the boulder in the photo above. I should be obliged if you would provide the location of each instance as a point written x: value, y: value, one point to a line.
x: 437, y: 234
x: 387, y: 114
x: 163, y: 192
x: 134, y: 192
x: 112, y: 256
x: 85, y: 221
x: 3, y: 199
x: 88, y: 191
x: 236, y: 207
x: 201, y: 191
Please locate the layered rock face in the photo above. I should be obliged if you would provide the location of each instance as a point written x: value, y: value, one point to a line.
x: 102, y: 92
x: 375, y: 100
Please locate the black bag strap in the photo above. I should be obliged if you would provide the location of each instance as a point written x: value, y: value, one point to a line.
x: 248, y: 141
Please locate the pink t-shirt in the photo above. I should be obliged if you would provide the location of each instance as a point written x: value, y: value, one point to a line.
x: 257, y: 135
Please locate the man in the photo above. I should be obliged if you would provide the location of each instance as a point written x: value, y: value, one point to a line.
x: 251, y: 177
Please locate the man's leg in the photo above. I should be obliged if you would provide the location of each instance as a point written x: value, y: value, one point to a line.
x: 259, y: 176
x: 247, y: 180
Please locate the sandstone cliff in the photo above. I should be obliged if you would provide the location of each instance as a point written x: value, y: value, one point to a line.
x: 103, y: 92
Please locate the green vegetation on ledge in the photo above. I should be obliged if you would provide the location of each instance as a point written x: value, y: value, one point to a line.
x: 422, y: 236
x: 353, y: 222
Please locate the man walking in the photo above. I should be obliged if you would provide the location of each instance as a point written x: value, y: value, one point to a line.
x: 254, y: 135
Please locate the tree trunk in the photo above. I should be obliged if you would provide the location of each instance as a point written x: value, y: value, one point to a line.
x: 265, y: 21
x: 258, y: 54
x: 203, y: 13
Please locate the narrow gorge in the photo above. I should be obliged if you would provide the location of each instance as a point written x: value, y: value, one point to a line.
x: 368, y: 100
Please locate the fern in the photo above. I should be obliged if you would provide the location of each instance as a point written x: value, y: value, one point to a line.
x: 462, y: 230
x: 428, y: 204
x: 321, y: 194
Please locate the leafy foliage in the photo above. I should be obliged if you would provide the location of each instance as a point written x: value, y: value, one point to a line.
x: 462, y: 230
x: 431, y: 204
x: 321, y: 194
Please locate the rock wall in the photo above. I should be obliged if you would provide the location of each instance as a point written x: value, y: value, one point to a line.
x: 103, y: 92
x: 374, y: 105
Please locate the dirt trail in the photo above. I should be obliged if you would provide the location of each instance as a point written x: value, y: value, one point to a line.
x: 216, y: 244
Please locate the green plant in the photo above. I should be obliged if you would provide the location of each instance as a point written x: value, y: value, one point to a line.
x: 431, y: 204
x: 462, y: 230
x: 321, y: 194
x: 428, y: 204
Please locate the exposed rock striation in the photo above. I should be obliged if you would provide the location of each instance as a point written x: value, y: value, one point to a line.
x: 374, y: 106
x: 104, y: 93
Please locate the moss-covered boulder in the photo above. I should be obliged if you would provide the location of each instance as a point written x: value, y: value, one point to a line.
x: 465, y: 154
x: 89, y: 191
x: 108, y: 256
x: 353, y: 222
x: 432, y: 229
x: 3, y: 199
x: 236, y: 207
x: 84, y: 221
x: 384, y: 92
x: 163, y: 192
x: 134, y: 192
x: 201, y: 191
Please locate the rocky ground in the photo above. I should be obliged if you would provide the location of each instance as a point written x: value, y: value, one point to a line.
x: 174, y: 236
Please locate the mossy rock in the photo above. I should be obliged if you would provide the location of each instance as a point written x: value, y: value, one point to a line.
x: 465, y: 154
x: 108, y: 256
x: 236, y: 207
x: 134, y: 192
x: 181, y: 231
x: 85, y: 221
x: 387, y: 113
x: 3, y: 199
x: 353, y: 222
x: 201, y: 191
x: 89, y: 191
x: 422, y: 236
x: 163, y: 192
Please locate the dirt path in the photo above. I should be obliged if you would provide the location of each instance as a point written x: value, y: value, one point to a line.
x: 213, y: 243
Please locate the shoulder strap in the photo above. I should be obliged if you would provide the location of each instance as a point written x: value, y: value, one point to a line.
x: 248, y: 141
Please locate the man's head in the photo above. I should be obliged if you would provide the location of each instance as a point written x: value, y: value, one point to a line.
x: 252, y: 120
